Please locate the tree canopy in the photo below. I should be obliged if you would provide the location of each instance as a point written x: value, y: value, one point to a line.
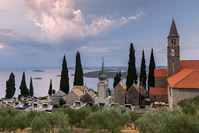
x: 143, y: 71
x: 151, y: 78
x: 64, y: 82
x: 79, y: 75
x: 10, y: 86
x: 31, y: 88
x: 23, y: 86
x: 131, y: 74
x: 117, y: 78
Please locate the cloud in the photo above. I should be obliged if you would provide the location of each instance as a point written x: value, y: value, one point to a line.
x: 59, y: 20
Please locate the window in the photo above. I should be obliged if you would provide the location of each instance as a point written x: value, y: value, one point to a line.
x: 173, y: 52
x: 173, y: 42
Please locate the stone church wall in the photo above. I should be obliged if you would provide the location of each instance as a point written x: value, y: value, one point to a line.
x: 161, y: 82
x: 180, y: 94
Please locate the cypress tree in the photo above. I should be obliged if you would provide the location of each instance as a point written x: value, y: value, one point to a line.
x: 23, y: 86
x: 151, y: 78
x: 10, y: 86
x: 131, y: 75
x: 117, y: 78
x: 64, y: 82
x: 143, y: 71
x: 50, y: 91
x: 78, y: 79
x: 31, y: 88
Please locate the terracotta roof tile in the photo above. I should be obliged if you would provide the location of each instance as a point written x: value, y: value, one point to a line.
x: 157, y: 91
x: 189, y: 64
x: 186, y: 78
x: 78, y: 92
x: 91, y: 93
x: 160, y: 73
x: 80, y: 87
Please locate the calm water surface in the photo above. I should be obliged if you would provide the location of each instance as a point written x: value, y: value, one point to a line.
x: 41, y: 86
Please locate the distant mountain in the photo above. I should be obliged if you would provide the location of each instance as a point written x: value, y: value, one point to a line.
x: 111, y: 71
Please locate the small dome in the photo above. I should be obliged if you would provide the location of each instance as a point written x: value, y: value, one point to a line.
x: 102, y: 76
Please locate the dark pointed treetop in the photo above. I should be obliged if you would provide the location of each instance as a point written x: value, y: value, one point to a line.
x: 10, y: 86
x: 143, y: 71
x: 50, y: 91
x: 23, y: 86
x: 131, y: 74
x: 151, y: 78
x: 173, y: 30
x: 79, y: 74
x: 64, y: 82
x: 31, y: 88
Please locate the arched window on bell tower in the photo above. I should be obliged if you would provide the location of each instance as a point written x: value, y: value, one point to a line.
x: 173, y: 42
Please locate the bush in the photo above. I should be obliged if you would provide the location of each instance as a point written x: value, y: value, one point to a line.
x: 190, y: 106
x: 11, y: 120
x: 108, y: 120
x: 163, y: 121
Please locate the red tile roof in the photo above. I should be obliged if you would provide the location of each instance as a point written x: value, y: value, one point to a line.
x: 186, y: 78
x: 160, y: 73
x: 189, y: 64
x: 157, y: 91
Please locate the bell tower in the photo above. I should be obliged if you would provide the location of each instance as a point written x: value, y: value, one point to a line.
x: 173, y: 51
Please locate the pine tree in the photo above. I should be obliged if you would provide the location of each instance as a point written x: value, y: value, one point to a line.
x: 10, y: 86
x: 78, y: 79
x: 151, y: 78
x: 64, y: 82
x: 143, y: 71
x: 31, y: 88
x: 23, y: 86
x: 117, y: 78
x: 50, y: 91
x: 131, y: 75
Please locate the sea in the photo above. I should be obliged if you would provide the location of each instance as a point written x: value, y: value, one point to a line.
x: 41, y: 80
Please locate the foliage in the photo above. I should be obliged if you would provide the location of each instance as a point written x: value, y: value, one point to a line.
x: 23, y: 86
x: 143, y: 71
x: 76, y: 116
x: 43, y: 98
x: 53, y: 91
x: 61, y: 101
x: 40, y: 123
x: 151, y: 78
x: 108, y: 120
x: 30, y: 115
x: 190, y: 106
x: 64, y: 82
x: 10, y: 86
x: 11, y: 120
x: 50, y: 91
x: 133, y: 117
x: 78, y: 78
x: 163, y: 121
x: 117, y: 78
x: 132, y: 75
x: 31, y: 88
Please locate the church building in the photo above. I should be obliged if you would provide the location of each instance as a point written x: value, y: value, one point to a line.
x: 181, y: 78
x: 103, y: 97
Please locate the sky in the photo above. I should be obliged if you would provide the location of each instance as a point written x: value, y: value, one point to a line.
x: 38, y: 33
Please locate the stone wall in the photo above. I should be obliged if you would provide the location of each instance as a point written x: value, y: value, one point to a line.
x: 132, y: 96
x: 87, y: 98
x: 159, y: 98
x: 161, y: 82
x: 72, y: 97
x: 119, y: 95
x: 180, y: 94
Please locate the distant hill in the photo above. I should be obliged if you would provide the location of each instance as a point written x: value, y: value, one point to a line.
x: 111, y: 71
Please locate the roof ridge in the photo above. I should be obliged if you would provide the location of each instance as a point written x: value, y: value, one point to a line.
x: 184, y: 76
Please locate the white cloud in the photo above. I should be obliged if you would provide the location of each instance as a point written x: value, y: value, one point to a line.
x: 59, y: 20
